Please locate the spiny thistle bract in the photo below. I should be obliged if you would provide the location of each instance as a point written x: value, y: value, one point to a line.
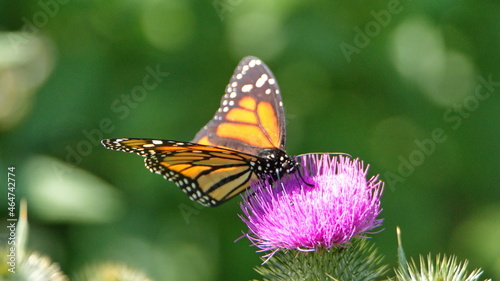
x: 357, y: 262
x: 446, y: 269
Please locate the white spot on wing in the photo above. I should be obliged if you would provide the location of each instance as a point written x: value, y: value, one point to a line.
x: 260, y: 82
x: 232, y: 95
x: 247, y: 88
x: 157, y: 142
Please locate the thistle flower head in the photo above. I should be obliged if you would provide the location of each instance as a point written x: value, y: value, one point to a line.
x: 35, y: 267
x: 328, y: 202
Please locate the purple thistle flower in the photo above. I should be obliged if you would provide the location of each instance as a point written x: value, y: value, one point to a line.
x: 337, y: 204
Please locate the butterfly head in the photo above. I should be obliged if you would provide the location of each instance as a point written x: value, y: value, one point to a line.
x: 277, y: 161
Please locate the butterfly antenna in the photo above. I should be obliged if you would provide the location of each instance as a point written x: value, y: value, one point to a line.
x: 330, y: 153
x: 302, y: 178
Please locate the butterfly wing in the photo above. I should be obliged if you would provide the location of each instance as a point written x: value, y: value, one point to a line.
x: 223, y: 157
x: 251, y: 116
x: 208, y: 175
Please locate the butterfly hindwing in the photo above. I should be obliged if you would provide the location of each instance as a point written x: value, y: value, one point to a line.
x: 208, y: 175
x: 251, y: 116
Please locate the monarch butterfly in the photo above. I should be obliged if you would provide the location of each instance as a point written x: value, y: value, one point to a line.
x: 243, y: 142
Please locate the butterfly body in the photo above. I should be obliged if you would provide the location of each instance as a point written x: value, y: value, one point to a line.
x: 243, y: 142
x: 278, y: 161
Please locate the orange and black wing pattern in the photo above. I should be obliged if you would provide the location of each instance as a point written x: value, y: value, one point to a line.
x: 208, y: 175
x: 244, y: 141
x: 251, y: 117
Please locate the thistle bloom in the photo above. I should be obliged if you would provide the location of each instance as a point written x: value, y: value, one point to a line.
x: 326, y: 204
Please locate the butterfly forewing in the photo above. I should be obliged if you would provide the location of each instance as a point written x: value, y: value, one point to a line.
x: 251, y: 116
x: 208, y: 175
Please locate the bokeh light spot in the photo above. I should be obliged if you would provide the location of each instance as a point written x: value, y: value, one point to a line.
x: 444, y: 76
x: 59, y: 192
x: 25, y: 63
x: 256, y: 33
x: 168, y: 25
x: 476, y: 237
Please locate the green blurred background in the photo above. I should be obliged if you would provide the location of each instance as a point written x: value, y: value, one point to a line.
x: 410, y: 87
